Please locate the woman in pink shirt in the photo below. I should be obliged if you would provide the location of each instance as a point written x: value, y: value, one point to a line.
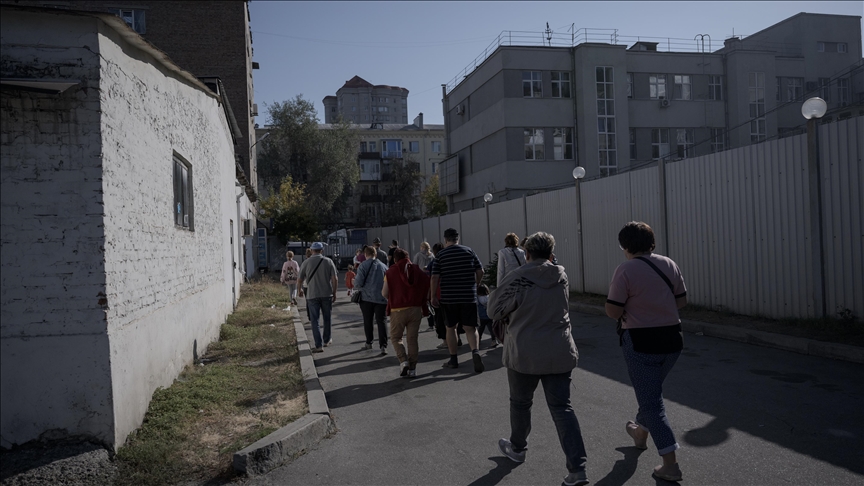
x: 645, y: 294
x: 290, y: 271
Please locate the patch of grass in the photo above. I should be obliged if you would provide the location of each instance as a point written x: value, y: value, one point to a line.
x: 249, y: 386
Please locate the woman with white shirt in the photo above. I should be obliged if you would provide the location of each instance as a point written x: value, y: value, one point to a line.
x: 510, y: 257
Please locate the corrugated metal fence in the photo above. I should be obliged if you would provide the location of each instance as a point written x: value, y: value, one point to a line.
x: 741, y: 224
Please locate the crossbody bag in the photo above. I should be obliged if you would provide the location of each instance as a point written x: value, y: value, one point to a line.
x: 655, y: 340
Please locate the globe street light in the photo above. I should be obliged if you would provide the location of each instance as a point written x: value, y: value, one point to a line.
x: 579, y: 173
x: 814, y: 109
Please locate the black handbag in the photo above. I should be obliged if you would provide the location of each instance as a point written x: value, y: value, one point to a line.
x: 654, y: 340
x: 356, y: 297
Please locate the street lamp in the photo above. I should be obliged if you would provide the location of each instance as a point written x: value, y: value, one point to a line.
x: 814, y: 109
x: 487, y: 198
x: 579, y: 173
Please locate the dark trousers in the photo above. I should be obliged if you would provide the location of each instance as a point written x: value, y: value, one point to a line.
x: 485, y: 324
x: 557, y: 390
x: 440, y: 323
x: 370, y: 310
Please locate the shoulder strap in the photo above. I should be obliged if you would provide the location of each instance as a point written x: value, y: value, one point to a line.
x: 663, y: 275
x: 316, y: 269
x: 516, y: 256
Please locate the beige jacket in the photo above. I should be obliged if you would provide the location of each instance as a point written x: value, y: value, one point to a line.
x: 538, y: 340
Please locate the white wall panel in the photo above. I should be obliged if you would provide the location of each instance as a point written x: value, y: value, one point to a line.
x: 450, y: 221
x: 555, y: 212
x: 431, y: 231
x: 605, y: 209
x: 416, y: 229
x: 404, y: 236
x: 506, y: 217
x: 474, y: 233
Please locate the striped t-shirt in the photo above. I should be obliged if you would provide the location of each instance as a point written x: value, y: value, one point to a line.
x: 457, y: 266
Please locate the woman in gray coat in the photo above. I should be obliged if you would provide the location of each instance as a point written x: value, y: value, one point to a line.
x: 538, y: 347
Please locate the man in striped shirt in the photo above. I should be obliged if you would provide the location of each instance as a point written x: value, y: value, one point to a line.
x: 458, y: 270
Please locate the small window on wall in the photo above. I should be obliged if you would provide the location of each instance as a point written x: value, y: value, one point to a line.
x: 560, y: 84
x: 842, y: 47
x: 532, y: 86
x: 657, y: 86
x: 414, y: 147
x: 133, y: 18
x: 436, y: 147
x: 183, y: 215
x: 682, y: 87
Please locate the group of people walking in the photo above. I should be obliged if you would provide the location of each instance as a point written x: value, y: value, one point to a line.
x: 531, y: 299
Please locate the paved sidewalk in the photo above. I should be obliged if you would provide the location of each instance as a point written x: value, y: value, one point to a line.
x: 743, y: 415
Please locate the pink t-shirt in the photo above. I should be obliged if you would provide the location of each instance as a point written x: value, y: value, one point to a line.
x: 643, y: 294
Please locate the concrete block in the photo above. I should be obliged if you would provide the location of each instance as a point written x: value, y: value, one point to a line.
x: 282, y: 446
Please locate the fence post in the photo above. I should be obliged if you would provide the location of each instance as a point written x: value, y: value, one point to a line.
x: 661, y: 177
x: 580, y: 254
x: 816, y: 232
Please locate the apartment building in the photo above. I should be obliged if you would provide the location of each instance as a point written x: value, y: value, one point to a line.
x: 521, y: 120
x: 359, y: 101
x: 208, y: 39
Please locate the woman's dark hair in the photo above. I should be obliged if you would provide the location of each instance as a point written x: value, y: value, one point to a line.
x: 436, y: 248
x: 482, y: 289
x: 636, y: 237
x: 399, y: 254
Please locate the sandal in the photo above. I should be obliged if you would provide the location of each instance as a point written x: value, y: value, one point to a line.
x: 669, y: 473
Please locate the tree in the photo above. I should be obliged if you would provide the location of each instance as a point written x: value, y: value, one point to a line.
x: 293, y: 220
x: 435, y: 205
x: 404, y: 201
x: 324, y: 160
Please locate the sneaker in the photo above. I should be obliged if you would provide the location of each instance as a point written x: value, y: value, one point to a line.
x: 317, y: 350
x: 507, y: 449
x: 451, y: 364
x: 576, y: 479
x: 383, y: 350
x: 478, y: 363
x: 493, y: 345
x: 441, y: 346
x: 669, y: 473
x: 404, y: 368
x: 366, y: 347
x: 412, y: 373
x: 328, y: 343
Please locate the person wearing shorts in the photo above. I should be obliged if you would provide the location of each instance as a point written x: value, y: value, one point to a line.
x: 458, y: 271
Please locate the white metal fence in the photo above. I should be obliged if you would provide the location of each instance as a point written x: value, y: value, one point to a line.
x: 741, y: 224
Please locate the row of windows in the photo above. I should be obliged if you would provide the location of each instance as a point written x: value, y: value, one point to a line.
x: 535, y: 143
x: 684, y: 145
x: 682, y: 86
x: 381, y: 99
x: 532, y: 84
x: 840, y: 47
x: 379, y: 109
x: 413, y: 146
x: 374, y: 118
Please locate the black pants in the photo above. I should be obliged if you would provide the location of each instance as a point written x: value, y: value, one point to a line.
x: 370, y: 310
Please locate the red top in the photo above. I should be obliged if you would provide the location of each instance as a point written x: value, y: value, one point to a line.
x: 349, y: 279
x: 408, y: 285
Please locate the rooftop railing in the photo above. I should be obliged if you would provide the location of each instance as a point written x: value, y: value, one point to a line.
x: 699, y: 44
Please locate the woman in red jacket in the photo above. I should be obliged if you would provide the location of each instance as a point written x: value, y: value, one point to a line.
x: 406, y: 287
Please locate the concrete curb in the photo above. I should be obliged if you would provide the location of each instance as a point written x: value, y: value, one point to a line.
x: 283, y: 445
x: 800, y: 345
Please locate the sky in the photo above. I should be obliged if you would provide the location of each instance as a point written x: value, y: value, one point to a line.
x: 313, y: 48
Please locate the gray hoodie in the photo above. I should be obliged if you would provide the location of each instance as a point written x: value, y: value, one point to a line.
x: 538, y: 340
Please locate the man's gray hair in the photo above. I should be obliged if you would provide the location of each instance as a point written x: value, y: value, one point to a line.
x: 540, y: 245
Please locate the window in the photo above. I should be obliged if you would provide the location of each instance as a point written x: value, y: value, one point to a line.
x: 365, y: 117
x: 777, y: 97
x: 629, y: 85
x: 657, y: 86
x: 682, y: 87
x: 365, y: 108
x: 756, y: 93
x: 842, y: 47
x: 562, y: 143
x: 404, y: 101
x: 532, y: 86
x: 362, y: 146
x: 353, y: 99
x: 436, y: 147
x: 843, y: 91
x: 182, y: 193
x: 373, y: 146
x: 133, y: 18
x: 820, y: 46
x: 659, y: 143
x: 434, y: 167
x: 718, y: 140
x: 560, y: 84
x: 332, y: 109
x: 684, y: 142
x: 794, y: 89
x: 606, y: 144
x: 534, y: 148
x: 632, y: 144
x: 825, y: 89
x: 353, y: 108
x: 414, y: 147
x: 715, y: 88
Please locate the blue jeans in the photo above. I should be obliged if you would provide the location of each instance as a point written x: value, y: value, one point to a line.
x: 647, y: 372
x: 318, y: 306
x: 557, y: 390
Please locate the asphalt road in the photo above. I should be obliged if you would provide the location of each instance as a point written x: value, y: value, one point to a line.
x: 743, y: 415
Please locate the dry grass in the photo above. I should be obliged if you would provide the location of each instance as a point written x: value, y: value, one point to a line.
x: 250, y: 384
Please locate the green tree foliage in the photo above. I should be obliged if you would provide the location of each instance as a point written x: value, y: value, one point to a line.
x: 293, y: 220
x: 435, y: 205
x: 403, y: 203
x: 323, y: 159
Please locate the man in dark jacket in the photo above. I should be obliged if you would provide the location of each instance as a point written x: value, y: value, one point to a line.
x: 380, y: 254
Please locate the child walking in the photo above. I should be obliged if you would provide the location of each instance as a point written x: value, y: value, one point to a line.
x: 349, y: 279
x: 485, y: 322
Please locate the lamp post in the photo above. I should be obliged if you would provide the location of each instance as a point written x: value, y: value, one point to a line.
x: 487, y: 198
x: 579, y: 173
x: 814, y: 109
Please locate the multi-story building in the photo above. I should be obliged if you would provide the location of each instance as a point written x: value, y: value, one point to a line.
x: 521, y: 120
x: 359, y: 101
x: 208, y: 39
